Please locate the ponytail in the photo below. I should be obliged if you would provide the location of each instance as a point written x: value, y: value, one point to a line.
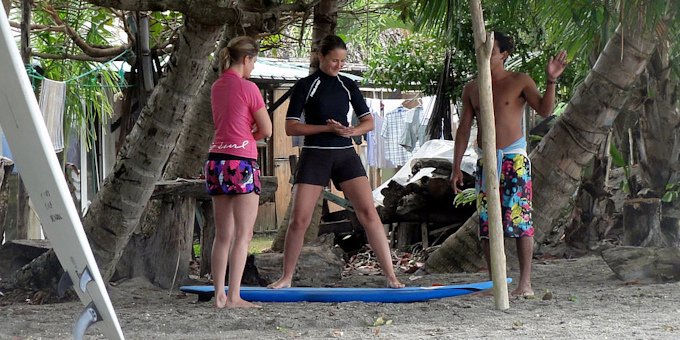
x: 225, y: 59
x: 236, y: 49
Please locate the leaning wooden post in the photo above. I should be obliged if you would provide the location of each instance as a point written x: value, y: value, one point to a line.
x: 483, y: 46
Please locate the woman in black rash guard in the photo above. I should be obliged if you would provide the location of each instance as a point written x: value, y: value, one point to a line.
x: 325, y: 98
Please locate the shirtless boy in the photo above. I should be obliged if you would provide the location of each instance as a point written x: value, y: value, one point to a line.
x: 511, y: 91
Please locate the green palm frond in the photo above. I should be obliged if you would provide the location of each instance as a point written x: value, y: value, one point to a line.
x: 89, y: 85
x: 465, y: 197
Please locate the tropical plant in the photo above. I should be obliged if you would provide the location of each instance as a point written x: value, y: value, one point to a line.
x: 559, y: 159
x: 180, y: 98
x: 414, y: 63
x: 398, y: 65
x: 465, y: 197
x: 89, y: 81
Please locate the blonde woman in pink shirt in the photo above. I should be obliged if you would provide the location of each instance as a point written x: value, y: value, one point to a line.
x: 232, y: 174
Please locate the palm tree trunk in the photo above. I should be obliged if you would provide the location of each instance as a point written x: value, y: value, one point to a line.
x: 116, y: 210
x: 659, y: 121
x: 572, y: 143
x: 23, y: 208
x: 574, y: 140
x: 7, y: 4
x: 185, y: 162
x: 325, y: 21
x: 659, y: 140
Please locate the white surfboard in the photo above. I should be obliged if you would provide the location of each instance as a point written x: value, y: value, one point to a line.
x: 34, y: 155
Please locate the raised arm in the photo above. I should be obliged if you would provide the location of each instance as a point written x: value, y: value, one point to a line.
x: 544, y: 104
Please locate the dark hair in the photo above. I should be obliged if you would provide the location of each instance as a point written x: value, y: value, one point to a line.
x: 236, y: 49
x: 329, y: 43
x: 505, y: 42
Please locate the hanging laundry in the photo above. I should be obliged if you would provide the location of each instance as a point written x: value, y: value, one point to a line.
x: 376, y: 145
x: 392, y: 130
x: 415, y: 125
x: 52, y: 102
x: 374, y: 140
x: 409, y: 138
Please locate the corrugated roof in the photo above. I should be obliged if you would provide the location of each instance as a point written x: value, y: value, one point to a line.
x: 285, y: 70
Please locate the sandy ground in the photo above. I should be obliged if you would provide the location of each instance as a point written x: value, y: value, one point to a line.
x: 588, y: 301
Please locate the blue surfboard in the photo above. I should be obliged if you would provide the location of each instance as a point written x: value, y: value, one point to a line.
x: 312, y: 294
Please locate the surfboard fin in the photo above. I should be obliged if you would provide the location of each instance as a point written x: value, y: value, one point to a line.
x: 85, y: 278
x: 65, y: 283
x: 87, y: 318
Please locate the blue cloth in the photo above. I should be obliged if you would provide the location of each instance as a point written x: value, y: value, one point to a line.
x: 519, y: 146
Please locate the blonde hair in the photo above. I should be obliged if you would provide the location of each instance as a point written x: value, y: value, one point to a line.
x: 236, y: 49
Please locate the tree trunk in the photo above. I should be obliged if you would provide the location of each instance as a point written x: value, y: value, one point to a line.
x: 560, y: 157
x: 571, y: 143
x: 16, y: 254
x: 117, y: 208
x: 659, y: 124
x: 190, y: 152
x: 163, y: 256
x: 7, y: 4
x: 119, y: 205
x: 642, y: 223
x: 593, y: 215
x: 652, y: 112
x: 644, y: 264
x: 325, y: 21
x: 670, y: 227
x: 207, y: 237
x: 484, y: 45
x: 312, y: 231
x: 6, y: 166
x: 319, y: 265
x: 461, y: 252
x: 23, y: 208
x: 41, y: 274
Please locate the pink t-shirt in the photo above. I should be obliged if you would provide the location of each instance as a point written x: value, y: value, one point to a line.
x: 234, y: 100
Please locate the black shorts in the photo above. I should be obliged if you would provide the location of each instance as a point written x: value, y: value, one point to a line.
x: 318, y: 166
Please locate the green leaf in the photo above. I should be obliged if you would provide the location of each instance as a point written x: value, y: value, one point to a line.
x: 667, y: 197
x: 617, y: 158
x: 467, y: 196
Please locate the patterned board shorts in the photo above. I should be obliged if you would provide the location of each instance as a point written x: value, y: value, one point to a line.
x: 516, y: 191
x: 232, y: 177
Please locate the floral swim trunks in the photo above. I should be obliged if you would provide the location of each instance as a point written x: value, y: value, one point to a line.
x: 232, y: 176
x: 515, y: 191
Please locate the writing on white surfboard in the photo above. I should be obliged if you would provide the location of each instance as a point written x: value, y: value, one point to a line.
x: 47, y: 202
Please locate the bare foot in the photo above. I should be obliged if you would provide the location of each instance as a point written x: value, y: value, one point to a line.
x: 220, y: 301
x: 240, y: 303
x: 521, y: 291
x: 394, y: 283
x: 280, y: 283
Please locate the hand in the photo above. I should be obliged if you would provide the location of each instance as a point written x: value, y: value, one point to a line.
x: 456, y: 180
x: 556, y: 66
x: 253, y: 129
x: 339, y: 129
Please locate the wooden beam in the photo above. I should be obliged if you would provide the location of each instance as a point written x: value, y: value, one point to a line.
x: 196, y: 188
x: 483, y: 46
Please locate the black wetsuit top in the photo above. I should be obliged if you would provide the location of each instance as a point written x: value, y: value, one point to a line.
x: 321, y: 97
